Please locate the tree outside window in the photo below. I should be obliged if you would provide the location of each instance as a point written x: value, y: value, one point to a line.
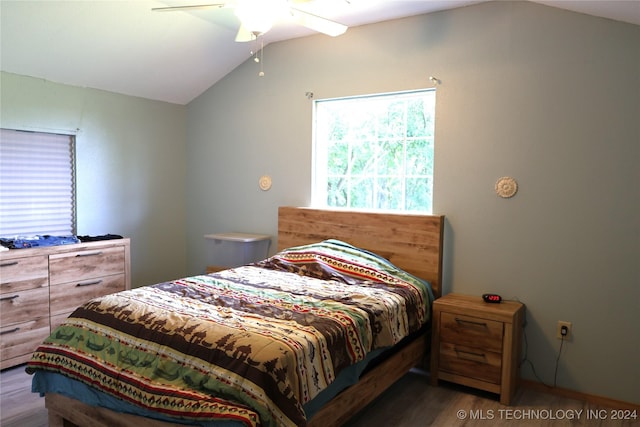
x: 375, y: 152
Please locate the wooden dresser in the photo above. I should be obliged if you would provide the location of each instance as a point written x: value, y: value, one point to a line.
x: 40, y: 287
x: 477, y: 344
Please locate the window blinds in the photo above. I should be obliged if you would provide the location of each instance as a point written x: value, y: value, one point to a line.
x: 37, y: 184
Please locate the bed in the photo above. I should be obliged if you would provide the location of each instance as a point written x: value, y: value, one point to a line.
x: 408, y: 245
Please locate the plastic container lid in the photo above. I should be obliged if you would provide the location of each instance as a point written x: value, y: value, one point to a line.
x: 238, y: 237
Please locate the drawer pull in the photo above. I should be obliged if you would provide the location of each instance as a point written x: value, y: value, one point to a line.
x: 10, y: 331
x: 472, y: 354
x: 90, y: 283
x: 471, y: 322
x: 9, y: 264
x: 9, y: 298
x: 89, y: 253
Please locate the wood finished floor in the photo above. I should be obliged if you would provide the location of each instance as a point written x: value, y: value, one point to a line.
x: 411, y: 402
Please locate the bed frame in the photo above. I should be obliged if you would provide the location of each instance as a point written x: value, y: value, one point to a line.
x: 411, y: 242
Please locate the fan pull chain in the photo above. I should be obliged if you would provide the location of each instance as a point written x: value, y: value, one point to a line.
x: 261, y: 73
x: 259, y: 51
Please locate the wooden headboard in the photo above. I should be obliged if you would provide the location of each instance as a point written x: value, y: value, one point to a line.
x: 411, y: 242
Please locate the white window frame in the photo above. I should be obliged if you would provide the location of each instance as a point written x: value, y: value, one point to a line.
x: 320, y: 161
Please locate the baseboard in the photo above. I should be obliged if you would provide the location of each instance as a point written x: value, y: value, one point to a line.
x: 572, y: 394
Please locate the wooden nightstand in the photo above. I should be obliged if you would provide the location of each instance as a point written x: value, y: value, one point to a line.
x: 477, y: 344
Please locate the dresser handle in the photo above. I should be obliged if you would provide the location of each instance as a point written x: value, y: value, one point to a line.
x: 10, y: 331
x: 471, y: 322
x: 89, y: 253
x: 471, y: 353
x: 9, y: 298
x: 9, y: 264
x: 90, y: 283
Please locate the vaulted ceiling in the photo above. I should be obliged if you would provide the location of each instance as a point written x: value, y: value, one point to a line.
x: 124, y: 47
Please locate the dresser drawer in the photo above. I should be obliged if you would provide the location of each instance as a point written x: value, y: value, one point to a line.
x: 471, y: 331
x: 22, y: 306
x: 66, y: 297
x: 86, y: 264
x: 18, y: 274
x: 23, y: 338
x: 471, y: 362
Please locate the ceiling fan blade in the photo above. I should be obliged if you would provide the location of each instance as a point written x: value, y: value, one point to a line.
x: 244, y: 35
x: 318, y: 23
x: 189, y: 7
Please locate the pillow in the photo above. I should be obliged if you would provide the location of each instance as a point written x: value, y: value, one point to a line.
x: 337, y: 260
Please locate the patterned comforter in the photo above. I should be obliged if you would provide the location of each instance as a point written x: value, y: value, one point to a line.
x: 251, y: 344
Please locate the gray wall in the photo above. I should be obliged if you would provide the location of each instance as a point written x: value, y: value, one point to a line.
x: 130, y: 159
x: 547, y: 96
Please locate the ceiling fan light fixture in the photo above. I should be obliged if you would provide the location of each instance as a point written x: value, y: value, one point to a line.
x: 257, y: 16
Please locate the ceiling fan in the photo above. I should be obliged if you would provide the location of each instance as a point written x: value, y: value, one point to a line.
x: 258, y: 16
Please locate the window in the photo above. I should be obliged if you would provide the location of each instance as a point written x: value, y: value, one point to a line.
x: 37, y: 184
x: 375, y: 152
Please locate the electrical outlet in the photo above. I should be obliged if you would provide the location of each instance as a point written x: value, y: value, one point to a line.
x: 564, y: 330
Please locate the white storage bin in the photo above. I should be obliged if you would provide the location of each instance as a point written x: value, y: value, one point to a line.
x: 227, y: 250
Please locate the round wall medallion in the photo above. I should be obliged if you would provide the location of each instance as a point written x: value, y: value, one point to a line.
x: 265, y: 182
x: 506, y: 187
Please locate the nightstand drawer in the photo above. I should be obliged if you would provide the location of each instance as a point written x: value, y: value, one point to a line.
x: 477, y: 344
x: 471, y: 362
x: 471, y: 332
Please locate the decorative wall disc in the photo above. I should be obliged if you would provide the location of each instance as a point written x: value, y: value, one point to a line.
x: 265, y: 182
x: 506, y: 187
